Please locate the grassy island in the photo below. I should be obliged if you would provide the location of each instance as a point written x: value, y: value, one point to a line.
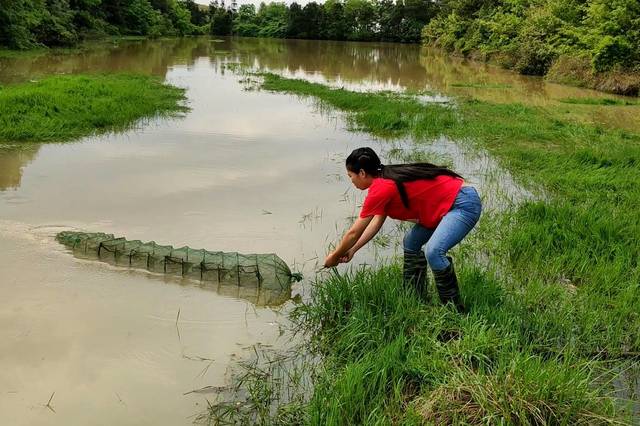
x: 66, y: 107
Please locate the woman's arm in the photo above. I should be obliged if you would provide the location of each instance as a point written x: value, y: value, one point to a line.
x: 349, y: 239
x: 370, y: 232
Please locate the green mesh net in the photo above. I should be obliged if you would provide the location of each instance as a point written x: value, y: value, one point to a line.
x: 262, y: 271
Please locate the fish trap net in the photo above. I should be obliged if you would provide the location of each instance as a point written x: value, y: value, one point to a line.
x: 264, y: 271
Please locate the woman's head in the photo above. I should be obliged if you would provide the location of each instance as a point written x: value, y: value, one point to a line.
x: 363, y: 164
x: 364, y: 159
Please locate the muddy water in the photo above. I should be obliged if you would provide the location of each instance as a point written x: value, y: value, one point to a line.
x: 243, y: 171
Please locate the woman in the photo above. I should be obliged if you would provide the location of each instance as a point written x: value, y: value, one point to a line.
x: 436, y: 199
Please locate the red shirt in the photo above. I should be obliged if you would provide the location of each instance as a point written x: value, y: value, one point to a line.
x: 429, y: 199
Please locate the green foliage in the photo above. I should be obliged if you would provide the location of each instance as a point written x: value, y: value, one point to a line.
x: 364, y: 20
x: 56, y: 27
x: 525, y: 35
x: 611, y: 50
x: 25, y: 24
x: 180, y: 17
x: 271, y: 20
x: 199, y: 16
x: 142, y: 18
x: 335, y: 25
x: 28, y: 24
x: 68, y: 107
x: 529, y: 36
x: 221, y: 19
x: 17, y: 19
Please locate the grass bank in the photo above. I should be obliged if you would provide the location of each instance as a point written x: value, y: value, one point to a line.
x: 569, y: 70
x: 554, y: 312
x: 62, y: 108
x: 591, y: 43
x: 578, y: 71
x: 84, y: 46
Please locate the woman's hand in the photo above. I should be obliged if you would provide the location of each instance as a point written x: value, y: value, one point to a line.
x: 348, y: 256
x: 331, y: 260
x: 348, y: 241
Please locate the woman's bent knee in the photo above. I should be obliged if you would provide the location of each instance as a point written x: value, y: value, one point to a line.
x: 436, y: 256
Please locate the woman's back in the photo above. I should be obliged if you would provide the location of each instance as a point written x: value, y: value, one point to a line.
x: 429, y: 199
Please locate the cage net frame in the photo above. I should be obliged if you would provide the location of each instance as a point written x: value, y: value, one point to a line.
x: 264, y: 271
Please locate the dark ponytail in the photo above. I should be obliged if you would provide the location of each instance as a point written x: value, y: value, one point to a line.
x: 366, y: 159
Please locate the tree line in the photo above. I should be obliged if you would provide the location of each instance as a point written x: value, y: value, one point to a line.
x: 26, y: 24
x: 29, y: 23
x: 541, y: 36
x: 530, y: 36
x: 362, y: 20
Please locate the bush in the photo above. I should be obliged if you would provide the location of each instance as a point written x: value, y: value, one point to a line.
x: 610, y: 51
x: 142, y: 19
x: 530, y: 36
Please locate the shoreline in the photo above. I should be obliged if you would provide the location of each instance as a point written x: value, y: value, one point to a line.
x: 571, y: 71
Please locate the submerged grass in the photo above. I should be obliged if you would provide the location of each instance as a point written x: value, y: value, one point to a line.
x: 62, y: 108
x: 554, y: 313
x: 482, y: 85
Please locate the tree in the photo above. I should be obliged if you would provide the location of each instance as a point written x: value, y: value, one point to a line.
x: 414, y: 15
x: 113, y: 11
x: 390, y: 16
x: 360, y: 19
x: 141, y: 18
x: 55, y: 27
x: 221, y: 20
x: 272, y: 20
x: 312, y: 20
x: 334, y: 27
x: 295, y: 27
x: 198, y: 15
x: 180, y: 17
x: 17, y: 20
x: 613, y: 33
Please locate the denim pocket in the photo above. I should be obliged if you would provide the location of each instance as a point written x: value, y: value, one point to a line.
x: 468, y: 200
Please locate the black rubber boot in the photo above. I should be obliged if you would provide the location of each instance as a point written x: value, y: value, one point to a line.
x: 447, y: 285
x: 414, y: 274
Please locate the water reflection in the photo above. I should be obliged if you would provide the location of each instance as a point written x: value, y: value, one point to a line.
x: 386, y: 66
x: 12, y: 162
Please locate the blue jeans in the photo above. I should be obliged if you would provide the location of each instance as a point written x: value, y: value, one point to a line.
x: 453, y: 227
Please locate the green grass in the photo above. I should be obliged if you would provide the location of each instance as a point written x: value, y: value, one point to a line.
x: 389, y: 358
x: 553, y: 313
x: 62, y: 108
x: 598, y: 101
x: 11, y: 54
